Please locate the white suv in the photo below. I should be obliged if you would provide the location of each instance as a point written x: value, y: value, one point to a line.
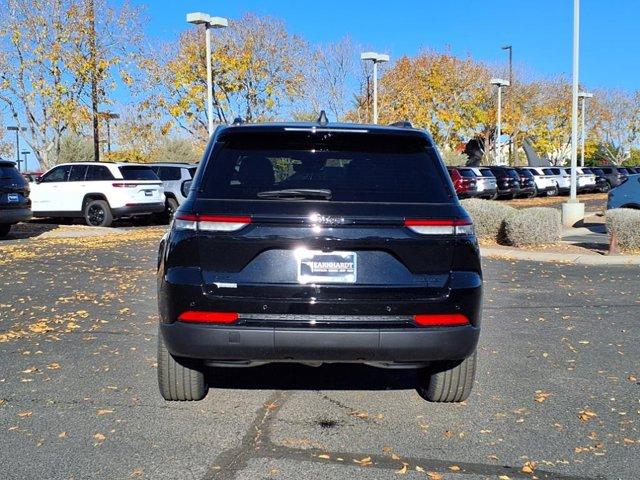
x: 97, y: 192
x: 176, y: 178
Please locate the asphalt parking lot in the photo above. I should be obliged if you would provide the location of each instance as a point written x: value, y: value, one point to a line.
x: 557, y: 394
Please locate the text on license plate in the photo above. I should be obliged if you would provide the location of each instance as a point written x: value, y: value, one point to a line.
x: 13, y: 198
x: 326, y: 267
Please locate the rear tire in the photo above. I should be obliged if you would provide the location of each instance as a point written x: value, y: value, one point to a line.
x: 177, y: 382
x: 4, y: 230
x: 553, y: 193
x: 98, y: 214
x: 452, y: 385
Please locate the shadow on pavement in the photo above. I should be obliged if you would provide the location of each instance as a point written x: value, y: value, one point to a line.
x: 287, y: 376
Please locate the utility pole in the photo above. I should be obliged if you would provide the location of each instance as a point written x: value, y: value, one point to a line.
x: 94, y: 80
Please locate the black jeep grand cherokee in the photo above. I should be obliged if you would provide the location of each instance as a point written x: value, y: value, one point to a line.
x: 314, y: 243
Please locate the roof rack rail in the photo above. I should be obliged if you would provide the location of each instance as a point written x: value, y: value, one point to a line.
x: 402, y: 124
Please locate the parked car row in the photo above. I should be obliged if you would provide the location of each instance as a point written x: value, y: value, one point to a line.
x: 495, y: 182
x: 97, y: 192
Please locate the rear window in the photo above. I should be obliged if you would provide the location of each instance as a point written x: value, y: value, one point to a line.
x: 513, y: 174
x: 354, y: 167
x: 486, y: 172
x: 465, y: 172
x: 526, y: 173
x: 9, y: 172
x: 137, y: 173
x: 168, y: 174
x: 548, y: 171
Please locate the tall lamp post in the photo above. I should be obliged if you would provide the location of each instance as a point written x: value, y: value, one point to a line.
x: 500, y: 83
x: 583, y: 132
x: 199, y: 18
x: 573, y: 211
x: 108, y: 116
x: 376, y: 58
x: 24, y: 154
x: 510, y: 48
x: 17, y: 130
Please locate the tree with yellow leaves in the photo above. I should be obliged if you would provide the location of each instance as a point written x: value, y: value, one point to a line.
x: 258, y: 69
x: 46, y: 65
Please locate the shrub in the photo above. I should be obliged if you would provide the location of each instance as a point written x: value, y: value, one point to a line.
x: 488, y: 217
x: 533, y: 226
x: 625, y: 224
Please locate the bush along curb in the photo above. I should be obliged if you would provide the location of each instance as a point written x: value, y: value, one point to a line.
x: 623, y: 225
x: 533, y: 226
x: 488, y: 217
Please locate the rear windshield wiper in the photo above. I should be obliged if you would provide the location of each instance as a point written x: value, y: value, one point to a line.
x: 304, y: 193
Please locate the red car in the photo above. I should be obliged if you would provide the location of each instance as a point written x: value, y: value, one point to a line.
x: 464, y: 182
x: 31, y: 176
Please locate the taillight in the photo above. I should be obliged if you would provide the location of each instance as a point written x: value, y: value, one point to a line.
x: 221, y: 318
x: 124, y: 185
x: 441, y: 320
x: 209, y: 223
x: 440, y: 227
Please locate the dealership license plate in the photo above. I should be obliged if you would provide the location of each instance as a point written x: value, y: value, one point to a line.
x: 322, y: 267
x: 148, y: 193
x: 13, y: 198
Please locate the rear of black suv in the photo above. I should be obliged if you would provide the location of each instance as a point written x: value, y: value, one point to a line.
x: 15, y: 205
x: 312, y: 244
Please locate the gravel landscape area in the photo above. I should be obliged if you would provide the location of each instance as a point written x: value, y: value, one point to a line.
x: 556, y: 395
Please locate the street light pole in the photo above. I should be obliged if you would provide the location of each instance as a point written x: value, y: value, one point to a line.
x: 24, y: 154
x: 376, y: 58
x: 510, y: 48
x: 108, y: 116
x: 199, y: 18
x: 583, y: 132
x: 499, y: 82
x: 17, y: 130
x: 573, y: 211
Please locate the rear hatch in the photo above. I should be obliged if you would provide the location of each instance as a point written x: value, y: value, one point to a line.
x: 141, y: 183
x: 14, y: 189
x: 333, y: 215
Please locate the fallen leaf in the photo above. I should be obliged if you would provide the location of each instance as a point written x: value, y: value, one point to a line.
x: 434, y: 476
x: 104, y: 411
x: 324, y: 455
x: 62, y: 435
x: 419, y: 469
x: 454, y: 468
x: 541, y: 396
x: 586, y: 415
x: 364, y: 461
x: 100, y: 437
x: 53, y: 366
x: 403, y: 470
x: 25, y: 414
x: 529, y: 467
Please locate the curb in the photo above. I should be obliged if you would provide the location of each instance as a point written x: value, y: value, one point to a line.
x: 576, y: 259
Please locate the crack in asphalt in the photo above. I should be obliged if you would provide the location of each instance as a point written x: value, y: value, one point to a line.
x: 228, y: 462
x: 257, y: 443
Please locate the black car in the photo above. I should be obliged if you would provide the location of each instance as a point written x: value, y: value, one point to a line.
x: 508, y: 181
x: 15, y: 205
x: 602, y: 185
x: 528, y: 187
x: 318, y: 243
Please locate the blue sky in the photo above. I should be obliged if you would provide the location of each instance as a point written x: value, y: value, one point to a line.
x: 540, y: 31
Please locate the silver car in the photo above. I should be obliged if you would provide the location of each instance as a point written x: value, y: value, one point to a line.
x: 176, y: 177
x: 626, y: 195
x: 486, y: 183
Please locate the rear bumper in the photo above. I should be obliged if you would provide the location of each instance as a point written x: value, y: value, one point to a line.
x: 138, y: 209
x: 212, y: 343
x: 14, y: 215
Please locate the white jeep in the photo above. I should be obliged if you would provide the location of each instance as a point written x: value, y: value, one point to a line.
x: 99, y: 192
